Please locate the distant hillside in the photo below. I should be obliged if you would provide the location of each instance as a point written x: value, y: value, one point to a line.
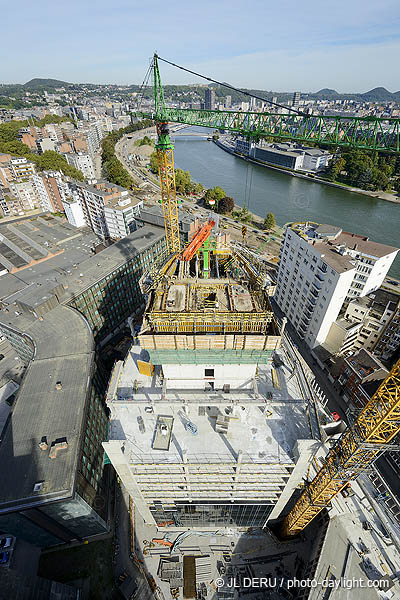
x: 326, y: 93
x: 37, y: 82
x: 378, y: 94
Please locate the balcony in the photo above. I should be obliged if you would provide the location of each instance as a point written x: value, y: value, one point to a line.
x: 313, y: 293
x: 317, y: 285
x: 319, y: 276
x: 323, y: 269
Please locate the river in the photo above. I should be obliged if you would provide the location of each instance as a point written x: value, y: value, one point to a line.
x: 289, y: 198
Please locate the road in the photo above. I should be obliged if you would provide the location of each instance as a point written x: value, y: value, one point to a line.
x: 314, y: 374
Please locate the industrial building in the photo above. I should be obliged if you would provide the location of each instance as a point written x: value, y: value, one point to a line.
x: 286, y: 155
x: 54, y: 483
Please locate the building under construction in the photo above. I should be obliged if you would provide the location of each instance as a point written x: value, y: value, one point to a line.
x: 208, y: 314
x: 208, y: 428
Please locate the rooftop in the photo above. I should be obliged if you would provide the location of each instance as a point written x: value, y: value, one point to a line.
x: 336, y: 237
x: 265, y: 431
x: 50, y: 404
x: 123, y: 203
x: 365, y: 363
x: 66, y: 275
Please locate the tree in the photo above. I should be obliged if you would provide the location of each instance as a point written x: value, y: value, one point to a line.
x: 226, y: 205
x: 154, y: 162
x: 183, y: 182
x: 52, y: 161
x: 269, y: 221
x: 214, y: 195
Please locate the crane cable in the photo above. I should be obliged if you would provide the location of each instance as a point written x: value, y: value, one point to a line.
x: 140, y: 97
x: 231, y: 87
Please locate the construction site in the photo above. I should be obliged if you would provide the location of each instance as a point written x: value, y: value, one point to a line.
x: 240, y: 482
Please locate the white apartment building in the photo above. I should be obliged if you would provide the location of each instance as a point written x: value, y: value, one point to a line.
x: 74, y: 212
x: 83, y: 162
x: 20, y: 167
x: 108, y: 209
x: 321, y: 267
x: 120, y: 216
x: 374, y: 312
x: 94, y: 132
x: 51, y: 189
x: 25, y: 191
x: 44, y: 144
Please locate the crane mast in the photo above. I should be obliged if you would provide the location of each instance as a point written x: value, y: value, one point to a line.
x: 166, y: 171
x: 353, y: 453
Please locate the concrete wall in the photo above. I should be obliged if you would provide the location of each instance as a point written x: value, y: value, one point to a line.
x: 194, y: 376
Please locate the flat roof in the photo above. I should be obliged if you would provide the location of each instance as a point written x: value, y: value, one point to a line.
x: 265, y: 430
x: 76, y: 269
x: 64, y: 353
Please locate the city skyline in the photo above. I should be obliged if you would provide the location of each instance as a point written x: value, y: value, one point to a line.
x: 342, y: 47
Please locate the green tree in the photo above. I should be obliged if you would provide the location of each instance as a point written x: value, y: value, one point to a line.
x: 226, y: 205
x: 154, y: 162
x: 214, y: 194
x: 336, y: 167
x: 183, y: 182
x: 269, y: 221
x: 52, y: 161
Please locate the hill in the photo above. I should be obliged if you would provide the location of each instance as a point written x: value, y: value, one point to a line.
x: 326, y: 93
x: 378, y: 94
x: 38, y: 82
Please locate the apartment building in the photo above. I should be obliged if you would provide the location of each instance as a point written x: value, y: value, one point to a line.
x: 109, y: 209
x: 120, y: 216
x: 9, y: 205
x: 364, y: 321
x: 388, y: 345
x: 321, y: 267
x: 25, y: 191
x: 44, y: 144
x: 74, y: 212
x: 94, y: 133
x: 21, y: 168
x: 360, y: 376
x: 50, y: 189
x: 375, y: 311
x: 83, y: 162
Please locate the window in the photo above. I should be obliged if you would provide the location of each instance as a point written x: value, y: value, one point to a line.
x: 208, y: 372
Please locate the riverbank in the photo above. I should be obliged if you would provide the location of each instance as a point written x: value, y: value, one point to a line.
x: 314, y: 179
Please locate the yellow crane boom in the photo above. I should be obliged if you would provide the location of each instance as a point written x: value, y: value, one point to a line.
x: 354, y: 451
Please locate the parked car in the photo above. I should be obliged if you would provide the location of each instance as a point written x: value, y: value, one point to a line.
x: 336, y: 416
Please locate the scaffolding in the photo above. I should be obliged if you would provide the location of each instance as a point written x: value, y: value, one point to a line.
x: 209, y: 321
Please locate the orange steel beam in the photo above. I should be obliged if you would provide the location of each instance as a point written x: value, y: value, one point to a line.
x: 197, y: 241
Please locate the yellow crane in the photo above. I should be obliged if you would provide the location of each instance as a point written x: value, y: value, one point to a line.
x: 353, y: 453
x: 166, y: 172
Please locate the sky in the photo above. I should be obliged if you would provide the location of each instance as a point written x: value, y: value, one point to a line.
x: 306, y: 45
